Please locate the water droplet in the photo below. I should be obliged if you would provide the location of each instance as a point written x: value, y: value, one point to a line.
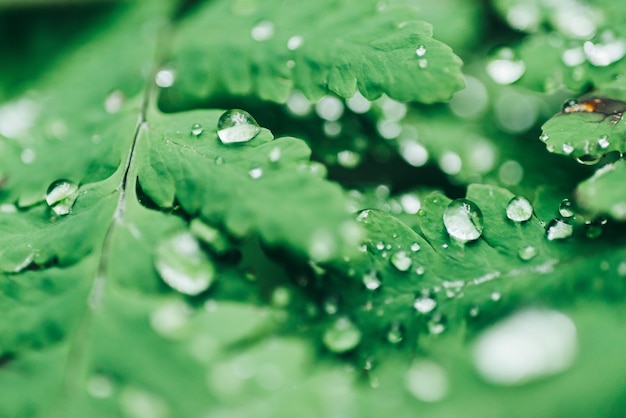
x: 566, y: 208
x: 196, y: 129
x: 519, y: 209
x: 410, y: 203
x: 395, y: 333
x: 426, y: 381
x: 401, y: 261
x: 358, y: 103
x: 281, y: 297
x: 589, y: 159
x: 424, y: 303
x: 219, y: 160
x: 274, y: 155
x: 463, y: 220
x: 414, y: 153
x: 255, y: 173
x: 371, y: 280
x: 557, y: 229
x: 165, y: 78
x: 604, y: 54
x: 603, y: 142
x: 114, y: 102
x: 573, y: 57
x: 544, y: 137
x: 262, y: 31
x: 331, y: 305
x: 182, y: 265
x: 527, y: 253
x: 567, y: 148
x: 237, y: 126
x: 295, y: 42
x: 496, y: 296
x: 420, y: 271
x: 422, y: 63
x: 170, y: 318
x: 437, y: 324
x: 100, y: 386
x: 348, y: 159
x: 505, y: 69
x: 415, y: 247
x: 420, y: 51
x: 61, y: 196
x: 594, y: 228
x: 342, y: 336
x: 474, y: 311
x: 28, y: 155
x: 528, y: 345
x: 329, y: 108
x: 298, y: 104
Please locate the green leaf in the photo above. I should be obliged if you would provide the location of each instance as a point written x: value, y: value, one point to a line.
x: 272, y: 48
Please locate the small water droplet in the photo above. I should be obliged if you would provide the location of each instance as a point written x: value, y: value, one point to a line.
x: 196, y: 129
x: 422, y: 63
x: 295, y: 42
x: 274, y: 155
x: 424, y: 303
x: 474, y: 311
x: 281, y: 297
x: 114, y: 102
x: 165, y: 78
x: 566, y: 208
x: 526, y: 346
x: 415, y: 247
x: 420, y: 271
x: 589, y: 159
x: 527, y: 253
x: 567, y: 148
x: 395, y: 333
x: 401, y: 261
x: 28, y: 155
x: 255, y: 173
x: 262, y: 31
x: 61, y: 196
x: 237, y: 125
x: 183, y: 265
x: 463, y: 220
x: 342, y: 336
x: 519, y: 209
x: 603, y: 142
x: 371, y: 280
x: 544, y: 137
x: 437, y: 324
x: 420, y: 51
x: 219, y: 160
x: 331, y: 305
x: 496, y: 296
x: 427, y: 381
x: 594, y: 228
x: 557, y: 229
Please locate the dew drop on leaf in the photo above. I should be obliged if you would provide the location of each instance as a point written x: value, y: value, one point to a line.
x: 603, y: 142
x: 567, y: 148
x: 589, y: 159
x: 262, y: 31
x: 395, y: 333
x: 196, y: 129
x: 401, y: 261
x: 426, y: 381
x: 505, y: 69
x: 437, y: 324
x: 255, y: 173
x: 422, y: 63
x: 61, y: 196
x: 415, y: 247
x: 342, y: 336
x: 371, y: 280
x: 463, y: 220
x: 165, y: 78
x: 557, y: 229
x: 274, y: 155
x: 519, y: 209
x: 114, y: 102
x: 566, y: 208
x: 527, y: 253
x: 424, y: 303
x: 420, y: 51
x: 594, y: 228
x: 544, y: 137
x: 528, y: 345
x: 295, y: 42
x: 182, y: 265
x: 237, y: 125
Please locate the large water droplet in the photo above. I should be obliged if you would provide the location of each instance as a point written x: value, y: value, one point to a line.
x: 237, y: 125
x: 401, y: 261
x: 61, y: 196
x: 529, y: 345
x: 463, y: 220
x: 519, y: 209
x: 427, y: 381
x: 557, y: 229
x: 182, y: 264
x: 342, y: 336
